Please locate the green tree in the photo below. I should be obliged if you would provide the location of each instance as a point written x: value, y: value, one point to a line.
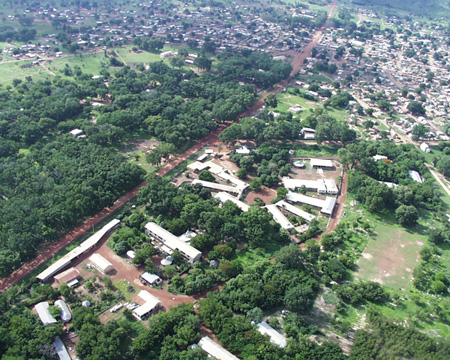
x: 406, y: 215
x: 255, y: 184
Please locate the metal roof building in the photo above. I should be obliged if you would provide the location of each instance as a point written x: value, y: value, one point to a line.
x: 279, y: 217
x: 101, y: 264
x: 151, y: 304
x: 217, y: 187
x: 326, y: 206
x: 65, y: 312
x: 44, y: 313
x: 224, y: 197
x: 295, y: 210
x: 83, y: 247
x: 61, y: 349
x: 275, y: 337
x: 172, y: 242
x: 321, y: 163
x: 151, y: 279
x: 322, y: 186
x: 415, y: 176
x: 215, y: 350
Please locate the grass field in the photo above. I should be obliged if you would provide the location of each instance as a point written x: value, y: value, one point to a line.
x: 390, y: 256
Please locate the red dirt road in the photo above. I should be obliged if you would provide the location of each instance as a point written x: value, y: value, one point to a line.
x: 53, y: 248
x: 341, y: 203
x: 211, y: 140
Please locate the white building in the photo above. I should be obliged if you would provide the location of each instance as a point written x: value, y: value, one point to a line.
x: 151, y: 304
x: 215, y: 350
x: 224, y: 197
x: 379, y: 157
x: 61, y: 350
x: 217, y: 187
x: 425, y: 148
x: 321, y: 164
x: 151, y: 279
x: 76, y: 132
x: 326, y: 206
x: 65, y: 312
x: 172, y: 242
x: 101, y: 264
x: 295, y: 210
x: 416, y: 176
x: 322, y: 186
x: 82, y: 248
x: 44, y: 313
x: 166, y: 54
x: 275, y: 337
x: 279, y: 217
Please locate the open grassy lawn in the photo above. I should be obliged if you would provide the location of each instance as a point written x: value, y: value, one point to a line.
x: 13, y: 70
x: 89, y: 63
x: 390, y: 256
x: 138, y: 158
x: 314, y: 150
x: 122, y: 286
x: 132, y: 57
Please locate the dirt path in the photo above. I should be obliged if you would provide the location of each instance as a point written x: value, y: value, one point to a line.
x: 46, y: 69
x: 120, y: 56
x: 50, y: 250
x: 438, y: 179
x: 211, y: 140
x: 336, y: 218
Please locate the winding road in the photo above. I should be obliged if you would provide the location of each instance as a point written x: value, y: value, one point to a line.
x: 212, y: 139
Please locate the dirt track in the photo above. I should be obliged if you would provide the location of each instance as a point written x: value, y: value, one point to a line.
x: 212, y: 139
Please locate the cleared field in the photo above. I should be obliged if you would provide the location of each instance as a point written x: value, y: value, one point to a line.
x: 13, y: 70
x: 89, y: 63
x: 390, y: 256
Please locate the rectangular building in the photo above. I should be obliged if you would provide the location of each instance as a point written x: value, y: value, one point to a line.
x: 215, y: 350
x: 151, y: 304
x: 275, y: 337
x: 322, y: 186
x: 321, y: 164
x: 279, y: 217
x: 217, y: 187
x: 224, y: 197
x: 150, y: 279
x: 326, y: 206
x: 61, y: 350
x: 44, y: 313
x: 101, y: 264
x: 295, y: 210
x: 172, y: 242
x: 67, y: 276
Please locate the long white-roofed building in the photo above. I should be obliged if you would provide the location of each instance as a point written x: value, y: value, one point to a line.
x: 322, y: 186
x: 279, y: 217
x: 67, y: 259
x: 172, y: 242
x: 326, y: 206
x: 65, y: 312
x: 44, y: 314
x: 321, y: 164
x: 275, y: 337
x: 215, y: 350
x: 217, y: 187
x: 224, y: 197
x: 295, y: 210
